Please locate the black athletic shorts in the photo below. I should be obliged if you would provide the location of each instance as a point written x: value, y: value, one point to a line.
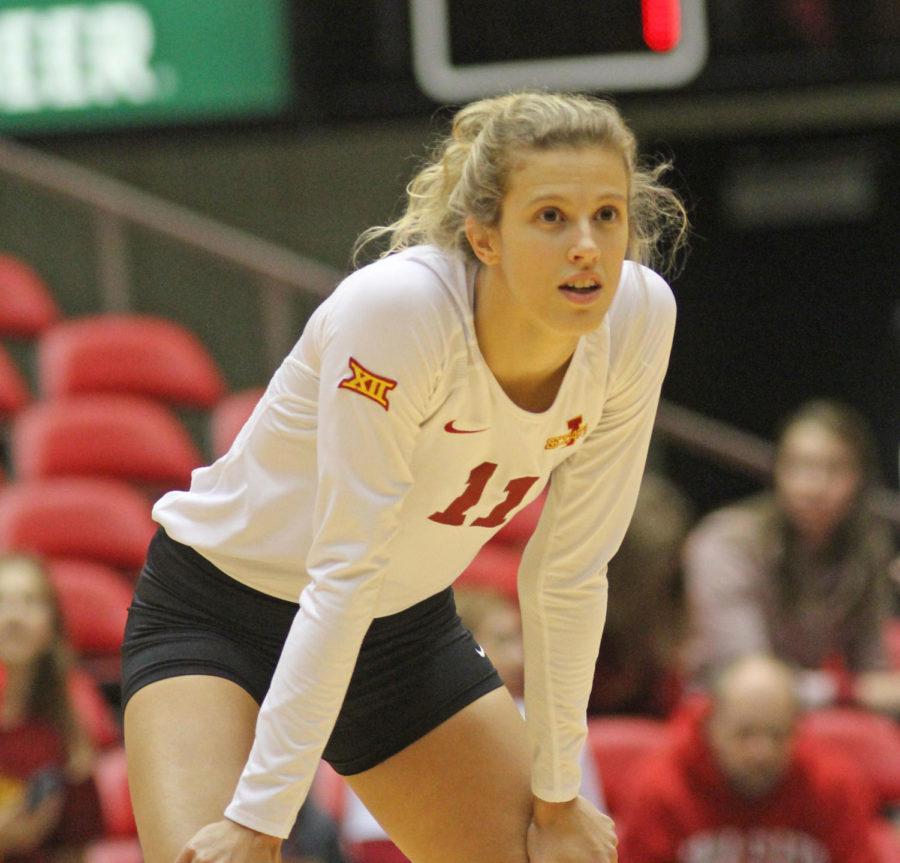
x: 415, y: 669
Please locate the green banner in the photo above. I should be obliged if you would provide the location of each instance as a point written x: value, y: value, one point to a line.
x: 109, y: 63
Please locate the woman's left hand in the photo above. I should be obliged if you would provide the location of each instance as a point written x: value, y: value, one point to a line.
x: 572, y: 832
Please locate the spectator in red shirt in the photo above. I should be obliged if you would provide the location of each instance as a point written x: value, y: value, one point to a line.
x: 48, y: 802
x: 740, y: 783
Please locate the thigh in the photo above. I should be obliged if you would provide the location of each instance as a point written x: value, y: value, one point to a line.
x: 461, y: 792
x: 186, y: 739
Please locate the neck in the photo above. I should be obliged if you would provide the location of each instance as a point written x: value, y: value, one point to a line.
x: 528, y: 362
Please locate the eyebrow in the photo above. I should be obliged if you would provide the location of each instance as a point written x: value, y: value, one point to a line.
x: 554, y: 196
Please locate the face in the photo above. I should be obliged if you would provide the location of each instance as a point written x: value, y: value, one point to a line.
x: 26, y: 614
x: 817, y: 480
x: 555, y: 259
x: 500, y: 634
x: 751, y: 735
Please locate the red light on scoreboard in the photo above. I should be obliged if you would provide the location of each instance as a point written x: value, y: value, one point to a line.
x: 661, y: 21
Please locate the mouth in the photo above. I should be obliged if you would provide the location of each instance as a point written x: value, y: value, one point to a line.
x: 581, y: 289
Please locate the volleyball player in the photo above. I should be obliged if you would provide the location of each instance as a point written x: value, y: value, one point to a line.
x: 296, y: 602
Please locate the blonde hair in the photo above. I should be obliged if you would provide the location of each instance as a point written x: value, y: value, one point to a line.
x: 469, y: 170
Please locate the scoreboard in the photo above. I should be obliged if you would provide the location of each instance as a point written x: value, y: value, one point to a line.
x: 465, y: 49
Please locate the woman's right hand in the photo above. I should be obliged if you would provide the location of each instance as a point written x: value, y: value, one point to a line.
x: 229, y: 842
x: 573, y: 832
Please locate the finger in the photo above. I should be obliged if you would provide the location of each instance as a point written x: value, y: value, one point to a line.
x: 186, y: 855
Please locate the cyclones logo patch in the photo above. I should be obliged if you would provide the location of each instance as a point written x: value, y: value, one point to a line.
x: 577, y: 429
x: 368, y: 384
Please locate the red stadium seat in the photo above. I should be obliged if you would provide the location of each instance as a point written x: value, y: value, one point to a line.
x: 77, y: 517
x: 123, y: 849
x: 92, y: 709
x: 885, y: 839
x: 14, y: 393
x: 495, y: 567
x: 26, y: 306
x: 138, y: 354
x: 229, y: 415
x: 869, y: 739
x: 111, y: 777
x: 94, y: 599
x: 120, y: 436
x: 377, y: 851
x: 618, y: 744
x: 329, y: 791
x: 517, y: 533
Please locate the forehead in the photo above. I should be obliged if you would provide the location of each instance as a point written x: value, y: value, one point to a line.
x: 567, y: 172
x: 811, y: 438
x: 765, y: 708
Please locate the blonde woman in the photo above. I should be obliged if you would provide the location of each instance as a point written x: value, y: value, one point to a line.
x: 296, y: 602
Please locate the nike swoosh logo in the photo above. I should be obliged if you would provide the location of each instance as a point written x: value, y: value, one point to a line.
x: 479, y: 650
x: 453, y: 430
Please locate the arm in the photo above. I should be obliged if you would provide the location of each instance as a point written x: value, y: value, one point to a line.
x: 364, y: 450
x: 562, y: 581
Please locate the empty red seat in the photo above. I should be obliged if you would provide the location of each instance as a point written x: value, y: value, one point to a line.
x: 92, y: 710
x: 14, y: 393
x: 26, y: 305
x: 120, y: 436
x: 121, y: 849
x: 229, y: 415
x: 517, y: 533
x: 869, y: 739
x: 78, y: 517
x: 618, y: 744
x: 94, y: 599
x: 141, y: 354
x: 495, y: 567
x: 111, y: 777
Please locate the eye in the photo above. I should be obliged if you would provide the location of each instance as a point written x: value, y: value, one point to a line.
x: 550, y: 216
x: 607, y: 214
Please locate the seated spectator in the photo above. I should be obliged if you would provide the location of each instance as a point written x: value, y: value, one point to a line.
x: 493, y: 618
x: 639, y: 669
x: 48, y: 802
x: 738, y: 782
x: 802, y: 571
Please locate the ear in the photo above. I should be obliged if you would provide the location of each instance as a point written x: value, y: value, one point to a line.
x: 484, y: 240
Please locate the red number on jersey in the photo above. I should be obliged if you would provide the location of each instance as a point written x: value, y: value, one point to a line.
x: 455, y: 514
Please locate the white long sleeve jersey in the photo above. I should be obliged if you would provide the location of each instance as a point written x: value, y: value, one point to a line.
x: 380, y: 459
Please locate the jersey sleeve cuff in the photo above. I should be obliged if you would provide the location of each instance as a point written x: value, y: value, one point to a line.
x: 254, y: 822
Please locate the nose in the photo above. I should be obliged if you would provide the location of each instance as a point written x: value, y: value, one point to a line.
x: 584, y: 249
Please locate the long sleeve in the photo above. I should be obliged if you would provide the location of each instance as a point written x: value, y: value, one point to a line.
x: 376, y: 360
x: 562, y: 581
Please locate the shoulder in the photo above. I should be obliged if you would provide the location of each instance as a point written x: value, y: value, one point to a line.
x: 419, y: 278
x: 643, y: 296
x: 408, y: 311
x: 641, y: 320
x: 736, y: 520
